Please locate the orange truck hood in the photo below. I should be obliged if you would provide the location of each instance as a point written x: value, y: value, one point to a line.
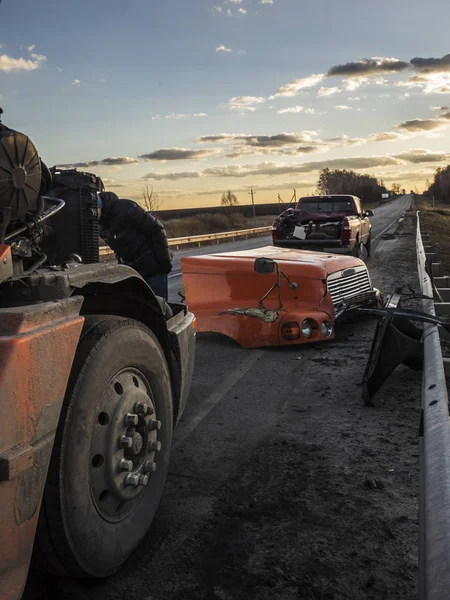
x: 219, y: 284
x: 300, y: 263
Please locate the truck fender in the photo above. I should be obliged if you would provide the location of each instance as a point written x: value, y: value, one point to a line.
x: 37, y: 347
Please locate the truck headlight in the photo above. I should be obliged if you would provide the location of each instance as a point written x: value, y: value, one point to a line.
x: 326, y: 329
x: 307, y: 328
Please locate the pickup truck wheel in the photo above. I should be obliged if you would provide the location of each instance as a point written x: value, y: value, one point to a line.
x: 111, y: 452
x: 358, y: 250
x: 369, y: 245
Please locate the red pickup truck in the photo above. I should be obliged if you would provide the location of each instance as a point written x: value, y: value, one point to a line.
x: 319, y: 222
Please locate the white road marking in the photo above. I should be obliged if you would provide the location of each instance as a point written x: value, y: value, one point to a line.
x: 184, y: 430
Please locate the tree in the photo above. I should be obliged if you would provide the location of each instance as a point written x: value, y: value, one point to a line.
x: 151, y: 201
x: 366, y: 187
x: 229, y: 201
x: 440, y: 188
x: 396, y: 187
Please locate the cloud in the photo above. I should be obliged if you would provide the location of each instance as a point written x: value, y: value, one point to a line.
x: 354, y: 99
x: 172, y: 176
x: 423, y: 156
x: 235, y: 1
x: 245, y: 103
x: 368, y: 66
x: 387, y: 136
x: 272, y: 169
x: 421, y: 125
x: 344, y: 107
x: 31, y: 48
x: 297, y: 85
x: 439, y: 108
x: 313, y: 111
x: 429, y: 83
x: 8, y: 63
x: 177, y: 154
x: 59, y: 69
x: 328, y: 91
x: 242, y: 11
x: 178, y: 116
x: 76, y: 83
x: 222, y: 48
x: 291, y: 109
x: 266, y: 1
x: 106, y: 162
x: 431, y: 65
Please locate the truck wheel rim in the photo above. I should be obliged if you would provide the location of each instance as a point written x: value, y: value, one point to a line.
x: 124, y: 445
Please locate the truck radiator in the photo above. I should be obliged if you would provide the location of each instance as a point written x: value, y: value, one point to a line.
x: 348, y: 283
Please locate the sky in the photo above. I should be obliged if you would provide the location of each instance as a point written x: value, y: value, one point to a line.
x: 195, y: 98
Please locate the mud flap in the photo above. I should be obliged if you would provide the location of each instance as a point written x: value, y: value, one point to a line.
x: 396, y: 341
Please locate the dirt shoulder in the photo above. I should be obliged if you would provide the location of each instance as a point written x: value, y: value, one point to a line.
x: 436, y: 220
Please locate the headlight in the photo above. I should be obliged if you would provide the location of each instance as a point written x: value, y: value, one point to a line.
x: 307, y: 328
x: 326, y: 328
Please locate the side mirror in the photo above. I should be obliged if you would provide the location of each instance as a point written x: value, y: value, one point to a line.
x: 264, y: 266
x: 369, y: 213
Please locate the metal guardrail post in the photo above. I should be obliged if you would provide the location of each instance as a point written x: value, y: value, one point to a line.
x: 434, y: 512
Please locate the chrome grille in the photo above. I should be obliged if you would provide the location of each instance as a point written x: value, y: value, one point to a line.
x: 348, y: 283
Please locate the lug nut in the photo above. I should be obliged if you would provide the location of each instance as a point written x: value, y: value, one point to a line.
x: 150, y: 410
x: 126, y: 465
x: 126, y: 442
x: 141, y: 408
x: 154, y: 425
x: 131, y: 420
x: 154, y: 446
x: 150, y: 466
x: 143, y: 479
x: 132, y: 480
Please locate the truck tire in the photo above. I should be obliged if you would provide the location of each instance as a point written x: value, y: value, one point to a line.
x: 111, y: 453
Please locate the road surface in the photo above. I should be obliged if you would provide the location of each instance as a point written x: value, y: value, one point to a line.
x: 282, y: 484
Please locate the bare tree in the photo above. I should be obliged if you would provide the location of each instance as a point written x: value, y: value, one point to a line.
x: 229, y: 201
x: 152, y: 202
x: 396, y: 188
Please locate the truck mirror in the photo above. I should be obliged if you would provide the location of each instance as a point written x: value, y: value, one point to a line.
x: 369, y: 213
x: 264, y: 265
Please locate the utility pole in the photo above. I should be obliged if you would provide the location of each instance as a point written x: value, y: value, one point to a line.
x: 252, y: 193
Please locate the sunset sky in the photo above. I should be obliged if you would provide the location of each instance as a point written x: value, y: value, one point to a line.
x: 198, y: 97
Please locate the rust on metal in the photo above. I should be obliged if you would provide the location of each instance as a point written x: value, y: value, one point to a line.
x: 37, y: 347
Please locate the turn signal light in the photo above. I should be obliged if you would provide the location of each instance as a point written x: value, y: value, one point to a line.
x: 290, y: 331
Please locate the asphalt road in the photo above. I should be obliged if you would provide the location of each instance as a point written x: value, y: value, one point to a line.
x: 282, y: 484
x: 384, y: 217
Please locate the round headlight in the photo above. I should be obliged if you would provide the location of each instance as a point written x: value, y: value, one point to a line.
x: 326, y: 328
x: 306, y: 328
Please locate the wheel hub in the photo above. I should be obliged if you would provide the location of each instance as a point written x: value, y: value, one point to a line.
x: 124, y: 445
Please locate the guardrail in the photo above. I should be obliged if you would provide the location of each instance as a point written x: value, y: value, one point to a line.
x: 434, y: 445
x: 209, y: 237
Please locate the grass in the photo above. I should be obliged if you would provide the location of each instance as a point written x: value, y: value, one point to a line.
x: 436, y: 221
x: 202, y: 224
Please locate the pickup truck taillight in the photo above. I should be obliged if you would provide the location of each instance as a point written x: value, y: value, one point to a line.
x: 276, y: 231
x: 346, y: 232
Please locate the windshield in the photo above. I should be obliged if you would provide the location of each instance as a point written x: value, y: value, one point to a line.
x: 326, y: 205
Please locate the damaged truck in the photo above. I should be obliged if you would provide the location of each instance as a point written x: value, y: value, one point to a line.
x: 95, y: 373
x: 325, y: 222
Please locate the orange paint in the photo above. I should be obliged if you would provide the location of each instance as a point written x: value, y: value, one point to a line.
x: 220, y: 282
x: 37, y: 347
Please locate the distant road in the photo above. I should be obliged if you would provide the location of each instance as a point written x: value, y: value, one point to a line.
x: 384, y: 218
